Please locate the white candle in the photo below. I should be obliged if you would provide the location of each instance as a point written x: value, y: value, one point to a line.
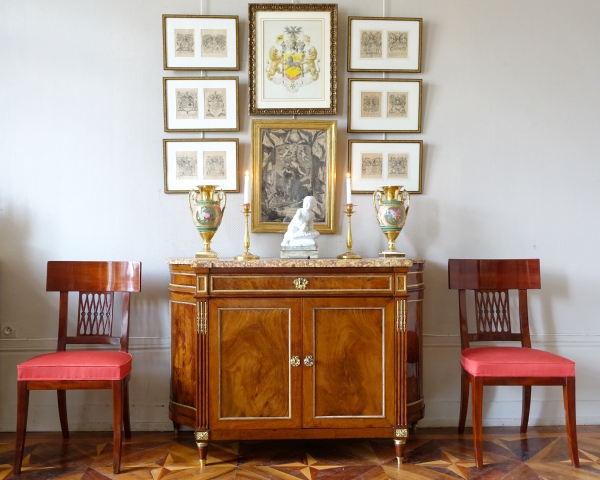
x: 348, y: 190
x: 247, y: 189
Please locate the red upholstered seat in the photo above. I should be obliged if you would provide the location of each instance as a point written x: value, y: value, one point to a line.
x: 515, y: 362
x: 491, y: 284
x: 96, y: 284
x: 76, y: 365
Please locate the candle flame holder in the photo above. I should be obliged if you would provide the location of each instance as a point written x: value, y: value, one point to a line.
x: 349, y: 253
x: 246, y: 255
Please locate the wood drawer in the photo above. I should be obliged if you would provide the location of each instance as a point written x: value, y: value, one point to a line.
x: 182, y: 281
x: 301, y: 284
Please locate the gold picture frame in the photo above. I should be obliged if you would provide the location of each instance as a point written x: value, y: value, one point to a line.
x: 384, y: 105
x: 373, y: 163
x: 189, y: 162
x: 384, y: 44
x: 292, y: 59
x: 201, y: 104
x: 201, y: 42
x: 292, y: 159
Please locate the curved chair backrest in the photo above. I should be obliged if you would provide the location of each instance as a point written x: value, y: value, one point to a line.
x: 96, y: 283
x: 491, y: 281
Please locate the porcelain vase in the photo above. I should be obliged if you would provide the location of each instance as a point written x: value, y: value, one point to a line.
x: 207, y: 205
x: 391, y: 204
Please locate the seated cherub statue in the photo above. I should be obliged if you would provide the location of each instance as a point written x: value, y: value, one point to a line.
x: 301, y: 232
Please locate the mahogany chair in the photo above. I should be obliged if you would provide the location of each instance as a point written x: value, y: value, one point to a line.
x: 84, y: 368
x: 491, y: 281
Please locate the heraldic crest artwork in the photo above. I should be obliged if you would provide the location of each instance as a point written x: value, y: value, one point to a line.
x: 293, y: 61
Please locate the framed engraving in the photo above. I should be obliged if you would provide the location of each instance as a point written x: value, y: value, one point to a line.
x: 384, y: 105
x: 374, y: 163
x: 196, y: 104
x: 188, y: 162
x: 200, y: 42
x: 292, y: 159
x: 382, y: 44
x: 292, y: 59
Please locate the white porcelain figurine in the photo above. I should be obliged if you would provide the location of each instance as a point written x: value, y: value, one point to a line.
x: 301, y: 232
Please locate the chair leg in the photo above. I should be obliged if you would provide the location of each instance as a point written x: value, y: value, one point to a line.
x: 525, y: 407
x: 126, y: 418
x: 464, y: 401
x: 477, y: 413
x: 117, y: 393
x: 22, y: 409
x: 569, y: 400
x: 62, y: 412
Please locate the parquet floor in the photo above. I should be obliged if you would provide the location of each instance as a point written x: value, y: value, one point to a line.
x: 431, y: 454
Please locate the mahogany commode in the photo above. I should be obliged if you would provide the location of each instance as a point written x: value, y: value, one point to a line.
x: 282, y: 349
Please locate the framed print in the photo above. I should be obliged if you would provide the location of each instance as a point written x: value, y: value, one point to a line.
x: 199, y: 104
x: 292, y: 159
x: 292, y: 59
x: 200, y: 42
x: 374, y: 163
x: 384, y: 105
x: 189, y: 162
x: 382, y: 44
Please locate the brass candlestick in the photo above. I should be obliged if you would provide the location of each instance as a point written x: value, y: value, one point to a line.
x: 246, y: 255
x: 349, y: 253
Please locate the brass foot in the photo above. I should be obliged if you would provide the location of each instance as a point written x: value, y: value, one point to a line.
x: 202, y: 439
x: 399, y: 444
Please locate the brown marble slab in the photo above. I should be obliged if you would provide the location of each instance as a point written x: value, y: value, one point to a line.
x: 294, y: 262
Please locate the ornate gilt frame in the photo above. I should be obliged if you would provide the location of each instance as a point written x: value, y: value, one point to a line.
x: 283, y: 94
x: 284, y: 174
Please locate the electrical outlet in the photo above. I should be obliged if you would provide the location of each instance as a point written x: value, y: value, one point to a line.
x: 8, y: 332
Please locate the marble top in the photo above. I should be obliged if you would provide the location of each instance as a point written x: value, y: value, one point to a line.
x: 293, y: 262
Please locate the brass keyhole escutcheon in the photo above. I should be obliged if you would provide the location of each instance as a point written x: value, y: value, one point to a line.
x: 309, y: 361
x: 295, y: 361
x: 301, y: 283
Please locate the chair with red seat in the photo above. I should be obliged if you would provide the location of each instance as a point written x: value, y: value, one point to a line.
x: 84, y: 368
x: 491, y: 281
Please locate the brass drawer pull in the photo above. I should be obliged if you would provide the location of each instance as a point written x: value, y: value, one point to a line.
x: 295, y: 361
x: 309, y: 361
x: 301, y: 283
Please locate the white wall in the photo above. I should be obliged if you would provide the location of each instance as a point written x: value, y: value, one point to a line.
x: 511, y: 169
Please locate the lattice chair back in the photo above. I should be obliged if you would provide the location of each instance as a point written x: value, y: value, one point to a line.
x: 492, y: 311
x: 95, y: 317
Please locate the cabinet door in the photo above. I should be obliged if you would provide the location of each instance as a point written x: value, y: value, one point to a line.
x: 351, y: 381
x: 253, y: 383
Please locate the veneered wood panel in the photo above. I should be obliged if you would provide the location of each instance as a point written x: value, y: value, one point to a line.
x: 351, y: 341
x: 251, y: 379
x: 415, y: 403
x: 272, y: 284
x: 184, y: 360
x: 65, y: 276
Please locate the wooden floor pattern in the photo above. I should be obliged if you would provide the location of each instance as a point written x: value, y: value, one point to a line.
x: 430, y: 454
